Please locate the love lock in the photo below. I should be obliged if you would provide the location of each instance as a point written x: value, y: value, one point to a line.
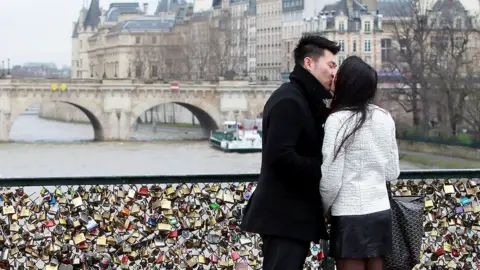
x: 191, y: 226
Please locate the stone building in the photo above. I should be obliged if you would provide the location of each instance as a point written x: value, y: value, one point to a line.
x: 268, y: 39
x: 295, y: 17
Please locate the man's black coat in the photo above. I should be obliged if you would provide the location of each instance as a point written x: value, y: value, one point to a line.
x: 287, y: 201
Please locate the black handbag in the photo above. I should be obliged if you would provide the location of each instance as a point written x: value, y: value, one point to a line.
x: 407, y: 231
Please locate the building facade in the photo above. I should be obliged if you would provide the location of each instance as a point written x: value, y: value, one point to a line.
x: 268, y: 39
x: 295, y: 17
x: 357, y: 27
x: 173, y: 43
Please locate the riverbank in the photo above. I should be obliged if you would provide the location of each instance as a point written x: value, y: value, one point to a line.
x: 180, y: 125
x: 426, y: 160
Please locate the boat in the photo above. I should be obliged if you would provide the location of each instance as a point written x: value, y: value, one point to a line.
x: 235, y: 138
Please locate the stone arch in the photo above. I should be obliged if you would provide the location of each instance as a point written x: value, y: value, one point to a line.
x: 90, y: 109
x: 208, y: 115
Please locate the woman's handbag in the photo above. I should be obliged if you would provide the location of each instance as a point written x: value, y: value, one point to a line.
x: 407, y: 231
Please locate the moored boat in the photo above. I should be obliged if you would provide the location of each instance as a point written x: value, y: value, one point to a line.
x: 235, y: 138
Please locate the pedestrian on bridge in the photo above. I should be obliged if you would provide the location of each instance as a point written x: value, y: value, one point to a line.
x: 360, y: 155
x: 286, y: 208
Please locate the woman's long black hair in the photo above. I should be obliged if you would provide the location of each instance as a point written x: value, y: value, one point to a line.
x: 355, y: 89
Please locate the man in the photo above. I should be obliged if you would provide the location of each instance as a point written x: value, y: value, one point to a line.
x: 285, y: 208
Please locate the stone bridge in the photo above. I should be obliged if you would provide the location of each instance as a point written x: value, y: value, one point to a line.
x: 113, y: 106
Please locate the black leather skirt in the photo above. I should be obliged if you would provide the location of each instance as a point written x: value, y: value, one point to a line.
x: 362, y: 236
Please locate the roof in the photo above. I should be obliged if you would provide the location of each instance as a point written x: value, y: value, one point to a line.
x: 389, y: 8
x: 339, y: 8
x: 167, y: 5
x: 116, y: 9
x: 93, y: 15
x: 450, y: 5
x: 150, y: 23
x: 83, y: 13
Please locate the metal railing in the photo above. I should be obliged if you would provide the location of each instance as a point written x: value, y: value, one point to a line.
x: 191, y: 222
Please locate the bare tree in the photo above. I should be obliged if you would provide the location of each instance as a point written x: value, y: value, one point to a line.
x: 453, y: 65
x: 229, y: 45
x: 150, y: 57
x: 412, y: 26
x: 472, y: 111
x: 196, y: 50
x: 187, y: 51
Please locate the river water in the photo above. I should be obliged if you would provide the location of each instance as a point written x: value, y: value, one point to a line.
x: 50, y: 148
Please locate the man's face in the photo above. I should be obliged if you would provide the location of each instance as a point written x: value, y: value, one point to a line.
x: 324, y: 68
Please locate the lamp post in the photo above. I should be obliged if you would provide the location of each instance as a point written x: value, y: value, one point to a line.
x: 104, y: 69
x: 8, y: 70
x: 116, y: 68
x: 91, y: 69
x: 3, y: 68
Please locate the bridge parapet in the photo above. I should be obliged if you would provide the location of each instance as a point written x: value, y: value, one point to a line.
x: 221, y: 86
x: 192, y: 221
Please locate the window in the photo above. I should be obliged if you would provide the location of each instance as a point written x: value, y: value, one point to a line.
x: 368, y: 45
x: 154, y: 40
x: 459, y: 42
x: 386, y: 48
x: 342, y: 45
x: 154, y: 71
x: 138, y: 70
x: 341, y: 59
x: 137, y: 40
x: 354, y: 46
x: 367, y: 26
x: 341, y: 26
x: 458, y: 23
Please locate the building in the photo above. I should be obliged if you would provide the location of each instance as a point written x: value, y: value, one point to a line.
x: 251, y: 16
x: 356, y: 26
x: 295, y: 17
x: 125, y: 41
x: 268, y: 39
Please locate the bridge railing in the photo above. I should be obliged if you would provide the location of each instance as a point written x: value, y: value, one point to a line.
x: 191, y: 222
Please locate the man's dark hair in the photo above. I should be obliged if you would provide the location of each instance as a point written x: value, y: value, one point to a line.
x: 313, y: 45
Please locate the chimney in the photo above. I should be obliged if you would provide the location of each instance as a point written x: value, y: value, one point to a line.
x: 350, y: 7
x: 145, y: 8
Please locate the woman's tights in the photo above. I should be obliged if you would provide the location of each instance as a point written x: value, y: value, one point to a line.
x: 360, y: 264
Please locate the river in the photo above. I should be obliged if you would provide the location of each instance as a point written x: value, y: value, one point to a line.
x: 50, y: 148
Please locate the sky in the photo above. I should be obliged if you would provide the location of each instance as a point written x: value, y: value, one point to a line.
x: 40, y: 30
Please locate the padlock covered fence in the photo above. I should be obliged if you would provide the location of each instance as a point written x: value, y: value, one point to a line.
x: 191, y: 222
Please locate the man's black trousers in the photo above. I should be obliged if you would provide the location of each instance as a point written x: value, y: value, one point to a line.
x: 281, y: 253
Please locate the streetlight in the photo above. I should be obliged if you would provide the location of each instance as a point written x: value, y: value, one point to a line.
x: 91, y: 69
x: 104, y: 69
x: 3, y: 68
x: 8, y: 67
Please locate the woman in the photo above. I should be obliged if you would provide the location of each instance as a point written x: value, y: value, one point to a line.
x: 359, y: 155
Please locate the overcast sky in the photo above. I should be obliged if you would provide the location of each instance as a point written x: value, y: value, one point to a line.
x: 40, y: 30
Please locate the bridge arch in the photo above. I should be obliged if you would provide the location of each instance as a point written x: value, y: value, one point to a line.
x: 90, y: 109
x: 208, y: 115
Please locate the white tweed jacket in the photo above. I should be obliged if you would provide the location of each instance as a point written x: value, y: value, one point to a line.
x: 355, y: 182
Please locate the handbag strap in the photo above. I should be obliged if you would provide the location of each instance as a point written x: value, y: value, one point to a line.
x: 389, y: 190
